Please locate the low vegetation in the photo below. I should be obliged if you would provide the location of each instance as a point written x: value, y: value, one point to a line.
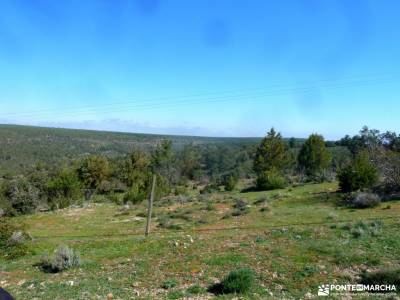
x: 62, y: 259
x: 236, y: 282
x: 267, y: 219
x: 388, y: 276
x: 365, y: 200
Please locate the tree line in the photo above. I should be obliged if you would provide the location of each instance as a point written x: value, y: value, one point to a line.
x: 367, y: 161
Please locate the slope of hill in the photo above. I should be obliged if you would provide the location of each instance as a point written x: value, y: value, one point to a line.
x: 24, y: 146
x: 294, y: 239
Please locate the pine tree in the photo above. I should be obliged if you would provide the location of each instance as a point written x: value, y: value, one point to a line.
x: 314, y: 157
x: 271, y: 153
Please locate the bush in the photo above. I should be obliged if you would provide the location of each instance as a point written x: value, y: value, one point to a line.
x: 12, y: 239
x: 209, y: 188
x: 195, y: 290
x: 115, y: 198
x: 23, y: 197
x: 240, y: 204
x: 63, y: 258
x: 238, y: 281
x: 366, y: 200
x: 382, y: 277
x: 165, y: 222
x: 360, y: 174
x: 362, y: 228
x: 270, y: 180
x: 135, y: 195
x: 63, y: 190
x: 230, y: 181
x: 261, y: 200
x: 169, y: 284
x: 93, y: 170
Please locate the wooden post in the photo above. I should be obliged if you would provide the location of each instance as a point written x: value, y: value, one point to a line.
x: 150, y: 206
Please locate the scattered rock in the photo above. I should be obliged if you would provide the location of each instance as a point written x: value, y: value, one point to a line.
x: 110, y: 296
x: 16, y: 238
x: 308, y: 296
x: 21, y: 282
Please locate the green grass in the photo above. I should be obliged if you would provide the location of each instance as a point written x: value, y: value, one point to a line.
x: 288, y: 261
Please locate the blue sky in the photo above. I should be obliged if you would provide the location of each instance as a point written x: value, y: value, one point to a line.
x: 219, y: 68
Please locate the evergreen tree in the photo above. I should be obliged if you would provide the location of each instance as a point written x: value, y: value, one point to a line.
x: 314, y: 157
x: 93, y: 170
x: 271, y: 153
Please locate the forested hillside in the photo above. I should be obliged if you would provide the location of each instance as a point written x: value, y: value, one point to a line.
x: 22, y: 147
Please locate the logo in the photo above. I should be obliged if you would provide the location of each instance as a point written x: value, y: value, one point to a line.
x: 323, y: 290
x: 328, y: 289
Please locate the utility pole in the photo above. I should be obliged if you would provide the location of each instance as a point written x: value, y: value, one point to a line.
x: 150, y: 206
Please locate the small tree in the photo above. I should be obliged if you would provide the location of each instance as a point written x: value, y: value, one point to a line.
x: 314, y: 157
x: 63, y: 189
x: 359, y: 174
x: 93, y: 170
x: 164, y: 160
x: 230, y: 181
x: 270, y: 161
x: 271, y: 153
x: 135, y: 169
x: 22, y: 196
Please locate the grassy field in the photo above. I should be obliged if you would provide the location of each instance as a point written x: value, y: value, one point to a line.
x: 294, y: 239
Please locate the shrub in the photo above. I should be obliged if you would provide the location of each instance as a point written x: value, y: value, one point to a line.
x: 209, y: 188
x: 270, y: 180
x: 362, y: 228
x: 12, y: 239
x: 360, y: 174
x: 210, y: 206
x: 241, y: 208
x: 180, y: 190
x: 115, y: 198
x: 169, y: 284
x: 174, y: 295
x: 240, y: 204
x: 63, y: 190
x: 261, y: 200
x: 63, y: 258
x: 22, y: 196
x: 239, y: 212
x: 366, y: 200
x: 195, y: 290
x: 239, y: 281
x: 230, y: 181
x: 93, y: 170
x: 165, y: 222
x: 134, y: 195
x: 358, y: 232
x: 382, y: 277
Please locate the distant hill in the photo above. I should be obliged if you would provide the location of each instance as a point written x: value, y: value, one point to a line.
x: 23, y: 146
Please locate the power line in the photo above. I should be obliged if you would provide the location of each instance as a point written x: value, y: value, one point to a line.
x: 216, y: 99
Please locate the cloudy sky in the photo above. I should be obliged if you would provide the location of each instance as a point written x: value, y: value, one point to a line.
x: 217, y: 68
